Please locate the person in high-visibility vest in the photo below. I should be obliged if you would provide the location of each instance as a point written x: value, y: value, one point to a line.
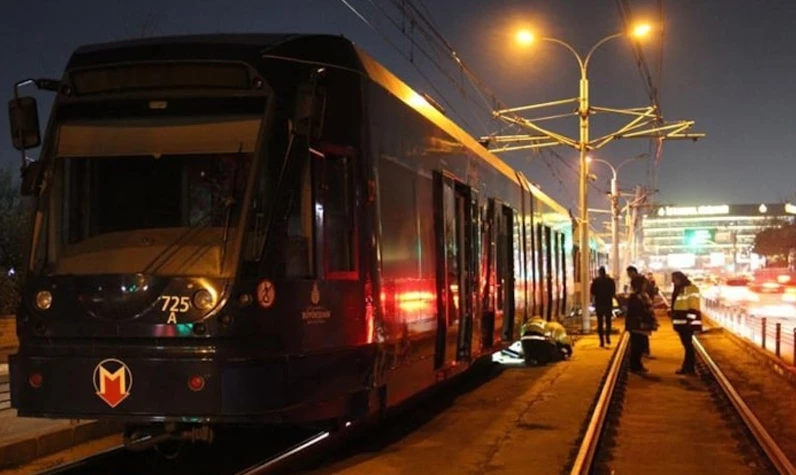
x: 686, y: 317
x: 560, y: 338
x: 544, y: 342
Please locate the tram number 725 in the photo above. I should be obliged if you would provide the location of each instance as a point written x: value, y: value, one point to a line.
x: 178, y: 304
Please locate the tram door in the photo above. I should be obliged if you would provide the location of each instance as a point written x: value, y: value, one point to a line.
x: 505, y: 269
x: 454, y: 237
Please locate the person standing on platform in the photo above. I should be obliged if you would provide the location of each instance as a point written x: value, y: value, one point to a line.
x: 603, y: 291
x: 686, y: 317
x: 638, y: 321
x: 652, y: 287
x: 632, y: 273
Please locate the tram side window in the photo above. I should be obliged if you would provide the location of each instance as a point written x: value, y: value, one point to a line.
x: 299, y: 248
x: 400, y: 247
x: 334, y: 213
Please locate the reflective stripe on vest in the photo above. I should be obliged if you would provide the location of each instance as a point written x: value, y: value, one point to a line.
x: 679, y: 321
x: 533, y: 337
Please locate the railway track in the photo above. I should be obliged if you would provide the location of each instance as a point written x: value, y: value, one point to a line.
x: 662, y: 423
x: 251, y: 454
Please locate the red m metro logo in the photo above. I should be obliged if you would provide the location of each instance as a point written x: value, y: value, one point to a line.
x: 112, y: 381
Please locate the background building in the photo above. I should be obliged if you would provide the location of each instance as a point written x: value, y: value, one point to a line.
x: 714, y: 238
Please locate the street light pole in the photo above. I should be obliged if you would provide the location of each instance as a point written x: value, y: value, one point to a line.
x: 615, y: 227
x: 583, y: 146
x: 646, y: 123
x: 615, y: 269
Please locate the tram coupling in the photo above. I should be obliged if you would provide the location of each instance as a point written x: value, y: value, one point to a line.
x: 144, y: 438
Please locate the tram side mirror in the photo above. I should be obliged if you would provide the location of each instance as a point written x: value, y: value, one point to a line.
x: 23, y: 116
x: 32, y: 177
x: 310, y: 110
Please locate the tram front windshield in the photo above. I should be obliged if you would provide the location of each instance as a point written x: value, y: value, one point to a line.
x: 150, y: 196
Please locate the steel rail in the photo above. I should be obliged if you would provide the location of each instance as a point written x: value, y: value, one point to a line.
x: 83, y: 463
x: 281, y: 458
x: 761, y: 435
x: 591, y: 438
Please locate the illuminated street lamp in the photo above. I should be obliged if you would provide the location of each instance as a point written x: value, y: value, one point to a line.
x: 583, y: 146
x: 524, y: 37
x: 646, y: 123
x: 641, y: 30
x: 615, y: 208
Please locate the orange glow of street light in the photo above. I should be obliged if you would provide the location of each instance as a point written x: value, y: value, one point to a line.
x: 525, y: 37
x: 642, y: 30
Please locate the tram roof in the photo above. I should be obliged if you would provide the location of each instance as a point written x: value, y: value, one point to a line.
x: 320, y: 48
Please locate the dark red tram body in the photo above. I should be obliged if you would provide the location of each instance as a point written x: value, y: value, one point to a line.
x: 267, y: 229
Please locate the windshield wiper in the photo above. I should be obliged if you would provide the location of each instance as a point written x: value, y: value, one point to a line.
x: 228, y: 203
x: 172, y: 248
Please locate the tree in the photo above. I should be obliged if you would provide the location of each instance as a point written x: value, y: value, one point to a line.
x: 775, y: 241
x: 13, y: 235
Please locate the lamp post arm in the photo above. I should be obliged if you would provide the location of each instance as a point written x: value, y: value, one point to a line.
x: 604, y: 162
x: 643, y: 155
x: 580, y: 61
x: 585, y: 64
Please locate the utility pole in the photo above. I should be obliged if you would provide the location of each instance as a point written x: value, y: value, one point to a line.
x: 615, y: 212
x: 639, y: 198
x: 646, y: 123
x: 632, y: 224
x: 615, y: 228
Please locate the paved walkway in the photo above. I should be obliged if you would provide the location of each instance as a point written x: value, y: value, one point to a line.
x: 23, y: 439
x: 527, y: 420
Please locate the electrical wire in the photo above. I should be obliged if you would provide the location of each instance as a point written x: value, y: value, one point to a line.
x: 435, y: 62
x: 402, y: 53
x: 651, y: 85
x: 420, y: 20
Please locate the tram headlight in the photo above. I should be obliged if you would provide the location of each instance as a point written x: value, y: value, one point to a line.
x: 203, y: 299
x: 44, y: 299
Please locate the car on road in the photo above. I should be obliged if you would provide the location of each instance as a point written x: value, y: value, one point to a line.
x: 774, y: 293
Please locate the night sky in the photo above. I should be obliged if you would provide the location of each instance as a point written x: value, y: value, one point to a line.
x: 728, y: 64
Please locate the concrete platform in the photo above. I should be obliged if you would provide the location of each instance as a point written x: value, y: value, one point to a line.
x: 8, y: 337
x: 25, y: 439
x: 527, y: 420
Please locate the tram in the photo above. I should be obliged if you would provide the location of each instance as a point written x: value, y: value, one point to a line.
x: 264, y: 229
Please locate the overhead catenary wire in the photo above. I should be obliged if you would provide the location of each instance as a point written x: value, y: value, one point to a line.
x: 485, y: 92
x: 652, y: 85
x: 562, y: 186
x: 423, y: 75
x: 415, y: 44
x: 419, y: 21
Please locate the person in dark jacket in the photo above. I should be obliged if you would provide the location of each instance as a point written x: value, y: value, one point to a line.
x: 638, y: 322
x: 603, y: 291
x: 652, y: 287
x: 632, y: 273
